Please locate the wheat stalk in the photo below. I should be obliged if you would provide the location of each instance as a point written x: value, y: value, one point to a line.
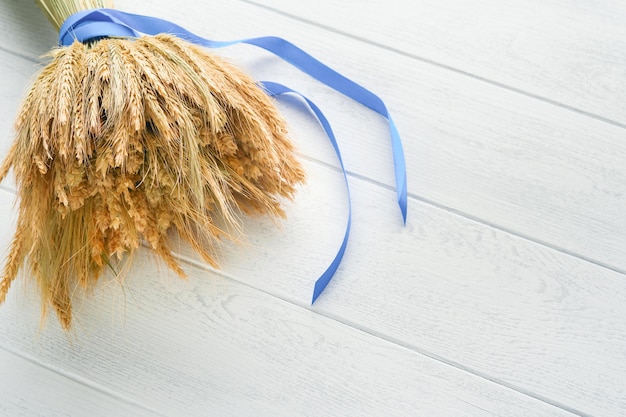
x: 58, y: 10
x: 122, y: 141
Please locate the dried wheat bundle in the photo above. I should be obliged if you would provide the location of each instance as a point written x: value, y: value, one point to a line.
x: 121, y: 141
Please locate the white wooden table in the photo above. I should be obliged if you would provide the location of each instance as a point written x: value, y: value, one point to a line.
x: 505, y: 294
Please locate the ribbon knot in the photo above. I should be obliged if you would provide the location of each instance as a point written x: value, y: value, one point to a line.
x: 94, y: 24
x: 101, y: 23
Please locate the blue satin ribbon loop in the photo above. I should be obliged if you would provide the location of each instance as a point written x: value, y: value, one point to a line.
x: 99, y: 23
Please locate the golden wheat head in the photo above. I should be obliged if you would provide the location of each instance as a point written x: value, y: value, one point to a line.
x: 120, y: 142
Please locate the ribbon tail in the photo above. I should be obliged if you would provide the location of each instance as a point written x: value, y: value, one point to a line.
x: 275, y: 89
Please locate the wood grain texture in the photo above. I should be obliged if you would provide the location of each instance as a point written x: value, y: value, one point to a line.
x: 419, y: 318
x: 212, y: 346
x: 30, y: 390
x: 564, y: 51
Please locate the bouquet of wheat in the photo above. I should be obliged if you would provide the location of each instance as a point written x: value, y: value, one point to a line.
x: 119, y: 141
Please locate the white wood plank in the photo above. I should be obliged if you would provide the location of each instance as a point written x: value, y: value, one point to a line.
x: 513, y: 311
x: 569, y: 52
x: 211, y: 346
x: 25, y: 29
x: 520, y: 164
x: 29, y: 390
x: 530, y: 318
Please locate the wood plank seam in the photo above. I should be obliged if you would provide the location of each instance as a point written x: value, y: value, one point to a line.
x: 80, y: 380
x: 511, y: 232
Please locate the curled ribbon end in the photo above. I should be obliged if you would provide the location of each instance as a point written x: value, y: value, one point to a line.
x: 317, y: 291
x: 402, y: 201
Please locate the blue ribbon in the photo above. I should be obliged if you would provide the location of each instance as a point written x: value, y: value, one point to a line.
x: 102, y: 23
x: 275, y: 89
